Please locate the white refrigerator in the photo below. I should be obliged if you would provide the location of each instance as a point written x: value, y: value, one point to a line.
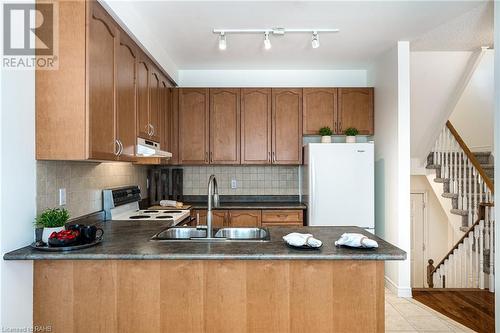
x: 338, y: 184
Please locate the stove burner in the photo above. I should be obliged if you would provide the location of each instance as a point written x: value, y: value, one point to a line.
x: 164, y: 217
x: 172, y: 211
x: 136, y: 217
x: 150, y: 211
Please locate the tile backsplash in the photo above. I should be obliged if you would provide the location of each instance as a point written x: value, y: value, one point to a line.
x: 83, y: 182
x: 250, y: 180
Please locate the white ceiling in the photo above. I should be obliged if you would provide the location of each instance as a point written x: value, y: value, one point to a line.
x: 184, y: 28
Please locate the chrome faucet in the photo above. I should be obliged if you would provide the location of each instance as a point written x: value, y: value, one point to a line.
x: 213, y: 201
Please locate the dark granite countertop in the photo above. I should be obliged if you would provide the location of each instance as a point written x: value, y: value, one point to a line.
x: 130, y: 240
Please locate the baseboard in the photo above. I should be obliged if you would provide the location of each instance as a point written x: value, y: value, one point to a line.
x: 399, y: 291
x: 481, y: 149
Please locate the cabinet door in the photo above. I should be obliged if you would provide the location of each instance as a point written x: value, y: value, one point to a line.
x: 165, y: 114
x: 256, y: 126
x: 244, y: 218
x: 193, y: 126
x: 355, y: 109
x: 319, y: 109
x: 126, y: 96
x: 287, y: 126
x: 225, y: 126
x: 143, y: 72
x: 219, y: 217
x: 154, y: 106
x: 174, y: 128
x: 101, y: 47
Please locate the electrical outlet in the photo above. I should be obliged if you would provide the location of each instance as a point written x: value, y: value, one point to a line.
x: 234, y: 184
x: 62, y: 196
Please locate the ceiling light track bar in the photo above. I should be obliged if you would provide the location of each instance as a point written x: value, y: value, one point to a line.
x: 272, y: 30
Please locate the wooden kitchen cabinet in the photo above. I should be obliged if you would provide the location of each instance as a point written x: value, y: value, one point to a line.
x: 319, y: 109
x: 287, y: 126
x: 355, y: 109
x: 165, y: 115
x: 102, y: 108
x: 126, y: 96
x: 96, y: 103
x: 154, y: 105
x: 244, y: 218
x: 219, y: 217
x: 224, y: 126
x: 282, y: 218
x: 256, y: 113
x: 193, y: 126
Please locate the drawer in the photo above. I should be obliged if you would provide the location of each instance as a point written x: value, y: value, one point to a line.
x: 282, y: 216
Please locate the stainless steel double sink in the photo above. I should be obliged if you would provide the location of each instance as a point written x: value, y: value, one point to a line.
x: 194, y: 234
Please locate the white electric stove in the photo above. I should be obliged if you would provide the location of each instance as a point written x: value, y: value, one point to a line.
x: 122, y: 204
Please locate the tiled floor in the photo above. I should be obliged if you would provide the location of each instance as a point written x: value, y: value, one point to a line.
x: 408, y: 315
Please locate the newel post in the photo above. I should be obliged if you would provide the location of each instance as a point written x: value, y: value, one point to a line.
x: 430, y: 269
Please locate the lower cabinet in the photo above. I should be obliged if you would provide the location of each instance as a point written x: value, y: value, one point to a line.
x: 250, y: 218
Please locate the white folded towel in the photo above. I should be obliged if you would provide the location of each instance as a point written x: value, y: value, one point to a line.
x: 356, y: 240
x: 298, y: 239
x: 168, y: 203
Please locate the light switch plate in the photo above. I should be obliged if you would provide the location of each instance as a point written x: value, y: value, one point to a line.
x: 62, y: 196
x: 234, y: 184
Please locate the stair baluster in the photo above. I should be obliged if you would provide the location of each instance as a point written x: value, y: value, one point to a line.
x: 492, y: 252
x: 481, y: 255
x: 460, y: 177
x: 471, y: 260
x: 469, y: 200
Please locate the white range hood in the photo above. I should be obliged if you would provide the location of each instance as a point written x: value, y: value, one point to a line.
x: 149, y: 148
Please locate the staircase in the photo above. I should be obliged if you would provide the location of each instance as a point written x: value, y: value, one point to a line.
x: 467, y: 180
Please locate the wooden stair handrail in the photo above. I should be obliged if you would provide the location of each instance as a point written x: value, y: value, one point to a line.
x: 471, y: 156
x: 465, y: 235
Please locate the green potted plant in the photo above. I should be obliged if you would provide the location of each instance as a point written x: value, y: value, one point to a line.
x: 350, y: 134
x: 326, y: 134
x: 51, y: 220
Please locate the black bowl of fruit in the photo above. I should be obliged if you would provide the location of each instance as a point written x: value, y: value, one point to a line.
x: 64, y: 238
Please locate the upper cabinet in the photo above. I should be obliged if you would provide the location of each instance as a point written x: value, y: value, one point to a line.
x: 126, y: 97
x: 104, y: 93
x: 355, y: 109
x: 225, y: 126
x: 102, y: 107
x: 287, y: 126
x: 339, y: 109
x: 193, y: 126
x: 256, y: 126
x: 319, y: 109
x: 165, y: 115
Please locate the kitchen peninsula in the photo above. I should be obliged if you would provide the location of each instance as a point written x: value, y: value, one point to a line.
x: 131, y: 284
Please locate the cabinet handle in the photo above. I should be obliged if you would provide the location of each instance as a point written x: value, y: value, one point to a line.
x: 335, y: 128
x: 152, y: 130
x: 120, y: 145
x: 269, y: 156
x: 117, y: 148
x: 206, y: 157
x: 211, y: 156
x: 274, y: 157
x: 340, y: 127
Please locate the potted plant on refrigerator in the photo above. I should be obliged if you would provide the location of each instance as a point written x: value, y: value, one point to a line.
x: 326, y: 134
x: 51, y: 220
x: 350, y: 135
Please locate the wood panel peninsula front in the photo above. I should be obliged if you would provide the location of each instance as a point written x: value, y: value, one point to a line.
x: 131, y: 284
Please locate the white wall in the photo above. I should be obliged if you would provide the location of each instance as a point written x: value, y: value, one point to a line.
x: 17, y: 195
x: 391, y: 77
x: 473, y: 115
x: 124, y: 12
x: 435, y: 77
x: 272, y: 78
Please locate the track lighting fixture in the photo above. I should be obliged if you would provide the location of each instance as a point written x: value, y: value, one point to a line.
x: 274, y: 31
x: 267, y: 42
x: 222, y: 41
x: 315, y: 40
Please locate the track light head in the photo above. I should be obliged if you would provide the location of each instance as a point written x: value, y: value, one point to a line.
x: 315, y: 40
x: 267, y: 42
x: 222, y: 41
